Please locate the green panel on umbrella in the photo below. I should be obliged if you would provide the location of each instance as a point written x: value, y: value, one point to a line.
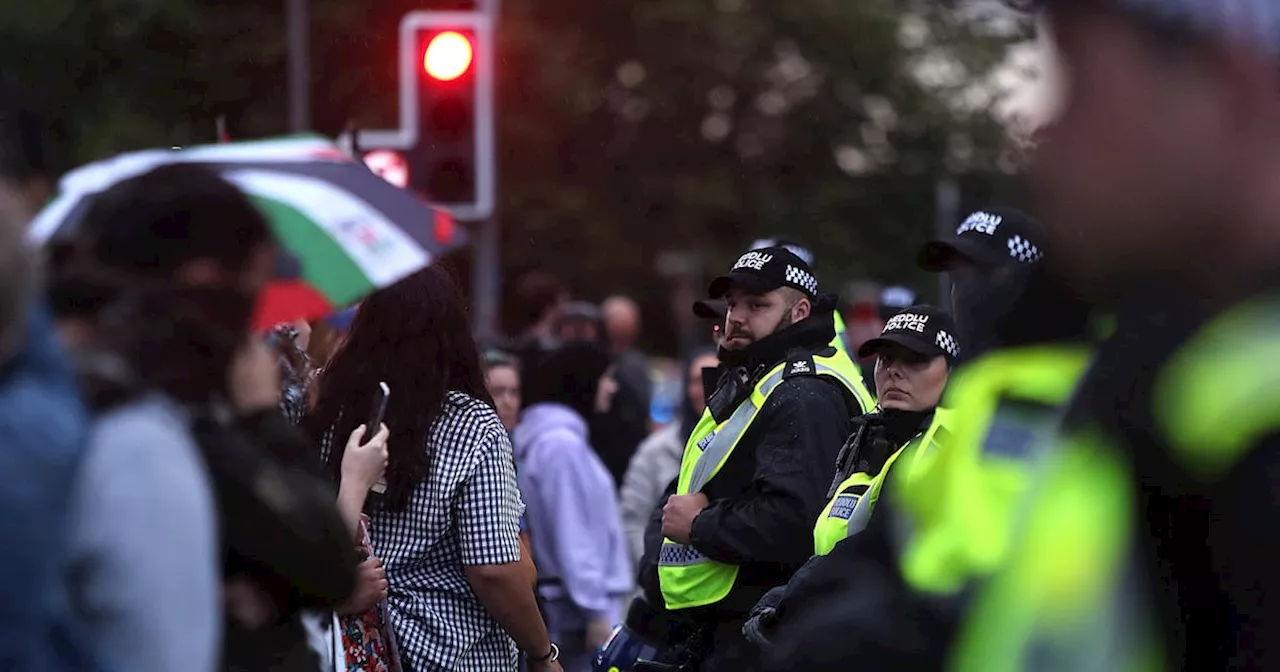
x: 325, y: 265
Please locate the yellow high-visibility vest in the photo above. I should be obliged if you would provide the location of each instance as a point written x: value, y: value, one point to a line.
x: 849, y: 510
x: 689, y: 578
x: 959, y: 511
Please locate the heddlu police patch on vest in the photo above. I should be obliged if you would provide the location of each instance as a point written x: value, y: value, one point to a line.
x: 800, y: 366
x: 1017, y: 427
x: 844, y: 506
x: 706, y: 441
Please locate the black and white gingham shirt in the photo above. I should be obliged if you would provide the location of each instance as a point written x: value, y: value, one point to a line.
x: 467, y: 512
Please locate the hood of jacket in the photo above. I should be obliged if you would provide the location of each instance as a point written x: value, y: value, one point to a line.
x: 543, y: 418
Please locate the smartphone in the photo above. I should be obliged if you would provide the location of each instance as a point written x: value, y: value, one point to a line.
x: 375, y: 421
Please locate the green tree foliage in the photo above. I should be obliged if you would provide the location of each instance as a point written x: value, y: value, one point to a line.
x: 626, y: 128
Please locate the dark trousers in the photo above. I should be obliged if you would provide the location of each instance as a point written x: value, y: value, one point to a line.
x: 730, y: 652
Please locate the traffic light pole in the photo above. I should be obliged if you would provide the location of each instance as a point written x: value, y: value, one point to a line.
x: 486, y: 271
x: 297, y: 24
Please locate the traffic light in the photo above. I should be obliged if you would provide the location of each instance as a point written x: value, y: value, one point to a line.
x: 451, y: 97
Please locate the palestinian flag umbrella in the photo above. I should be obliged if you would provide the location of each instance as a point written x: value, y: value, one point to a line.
x: 349, y: 231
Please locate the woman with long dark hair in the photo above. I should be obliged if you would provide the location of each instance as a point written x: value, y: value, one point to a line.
x: 446, y: 527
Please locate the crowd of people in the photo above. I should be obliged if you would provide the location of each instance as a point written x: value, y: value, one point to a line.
x: 1070, y: 467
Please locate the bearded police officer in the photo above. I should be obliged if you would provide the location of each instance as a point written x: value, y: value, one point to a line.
x: 756, y: 467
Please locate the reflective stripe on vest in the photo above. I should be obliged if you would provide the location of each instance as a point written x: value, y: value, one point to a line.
x: 689, y: 578
x: 956, y: 518
x: 838, y: 342
x: 850, y: 510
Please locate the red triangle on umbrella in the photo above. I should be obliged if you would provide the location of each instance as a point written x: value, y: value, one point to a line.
x: 286, y: 301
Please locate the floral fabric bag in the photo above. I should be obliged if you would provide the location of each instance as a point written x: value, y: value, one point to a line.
x: 368, y: 641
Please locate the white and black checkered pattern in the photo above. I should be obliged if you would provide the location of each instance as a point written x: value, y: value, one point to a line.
x: 947, y: 342
x: 466, y: 513
x: 802, y: 278
x: 1024, y: 250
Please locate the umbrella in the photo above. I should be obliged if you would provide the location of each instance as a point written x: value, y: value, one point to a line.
x: 350, y: 231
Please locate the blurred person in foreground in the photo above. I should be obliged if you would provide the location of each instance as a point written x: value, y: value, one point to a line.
x: 584, y: 569
x: 447, y: 527
x: 171, y: 522
x: 740, y: 517
x: 1158, y: 183
x: 41, y: 418
x: 657, y: 461
x: 628, y: 416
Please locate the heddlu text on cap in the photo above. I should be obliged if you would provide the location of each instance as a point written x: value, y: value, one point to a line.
x: 754, y: 260
x: 906, y: 322
x: 981, y: 222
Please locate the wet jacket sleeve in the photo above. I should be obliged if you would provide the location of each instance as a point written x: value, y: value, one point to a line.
x: 800, y: 431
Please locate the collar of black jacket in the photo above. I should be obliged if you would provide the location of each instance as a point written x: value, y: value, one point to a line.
x: 812, y: 334
x: 903, y: 426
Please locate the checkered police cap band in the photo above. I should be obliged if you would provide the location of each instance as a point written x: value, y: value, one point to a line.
x: 1024, y: 250
x: 802, y: 278
x: 948, y: 343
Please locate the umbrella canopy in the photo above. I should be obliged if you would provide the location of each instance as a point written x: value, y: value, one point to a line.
x: 350, y: 231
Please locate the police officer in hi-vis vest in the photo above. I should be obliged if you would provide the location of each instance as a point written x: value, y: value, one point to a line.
x: 755, y: 471
x: 914, y: 354
x: 1158, y: 183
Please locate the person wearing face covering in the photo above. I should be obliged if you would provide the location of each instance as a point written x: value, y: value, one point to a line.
x: 941, y: 529
x: 985, y: 249
x: 754, y: 471
x: 914, y: 355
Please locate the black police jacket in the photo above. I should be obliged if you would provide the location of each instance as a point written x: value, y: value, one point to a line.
x: 768, y: 493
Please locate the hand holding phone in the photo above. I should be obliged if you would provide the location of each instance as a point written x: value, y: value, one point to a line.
x: 378, y: 413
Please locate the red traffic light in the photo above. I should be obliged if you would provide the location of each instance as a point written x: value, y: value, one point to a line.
x: 448, y: 56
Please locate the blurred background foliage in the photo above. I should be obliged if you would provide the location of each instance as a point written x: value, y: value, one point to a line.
x: 627, y: 128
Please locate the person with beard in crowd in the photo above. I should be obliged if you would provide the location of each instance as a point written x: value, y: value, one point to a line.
x: 754, y: 472
x: 42, y: 419
x: 161, y: 280
x: 584, y: 571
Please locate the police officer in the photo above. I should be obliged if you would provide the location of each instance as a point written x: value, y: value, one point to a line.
x: 950, y: 523
x: 1158, y: 183
x: 714, y: 309
x: 914, y: 354
x: 755, y: 469
x: 985, y: 249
